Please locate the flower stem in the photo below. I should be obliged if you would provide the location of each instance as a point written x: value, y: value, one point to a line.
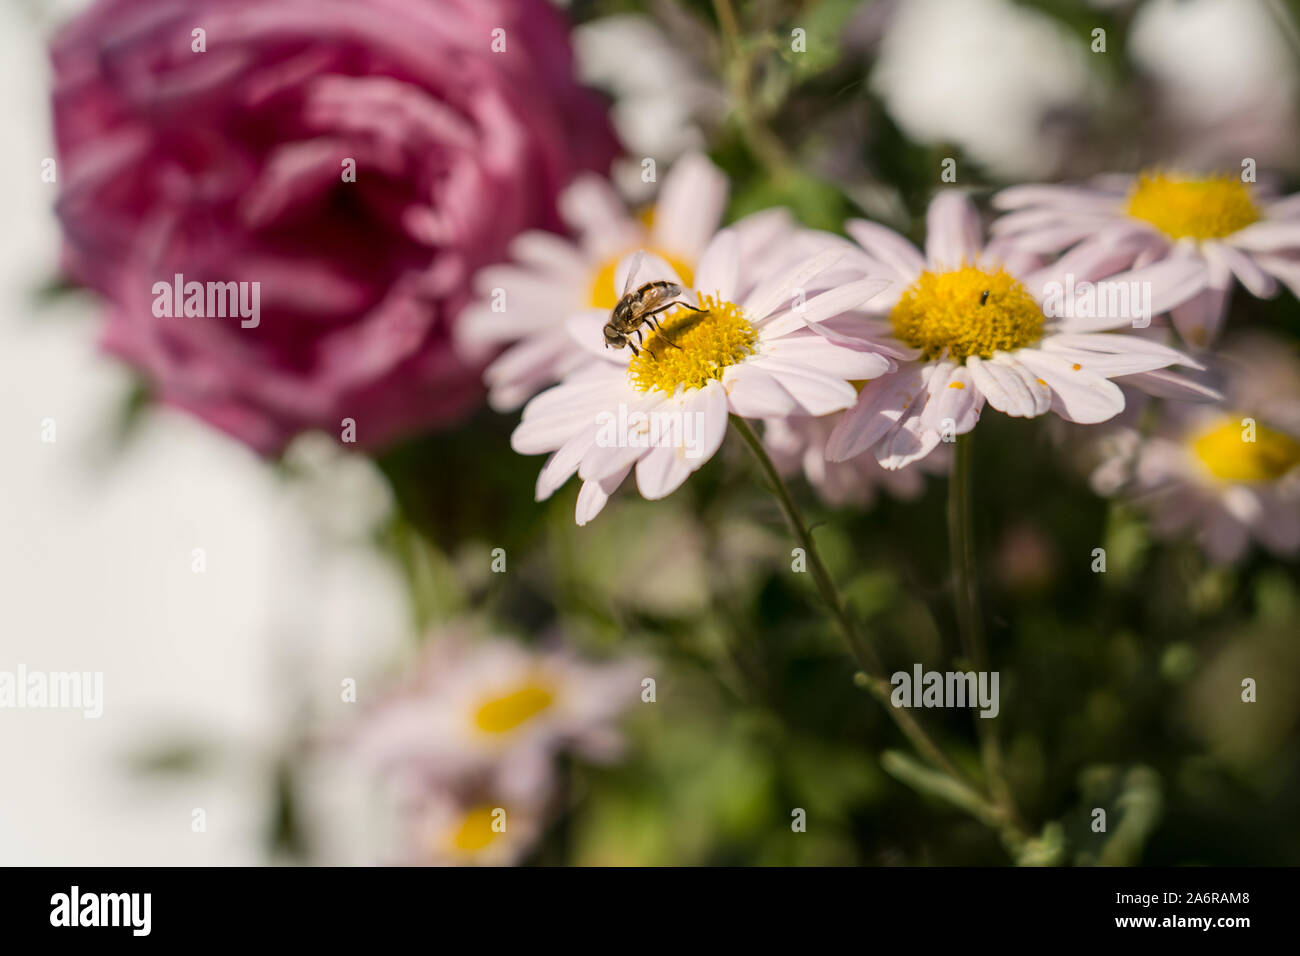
x: 872, y: 676
x: 961, y: 546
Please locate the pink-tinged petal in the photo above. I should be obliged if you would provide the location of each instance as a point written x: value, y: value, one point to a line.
x: 1199, y: 319
x: 1172, y: 282
x: 1002, y: 387
x: 769, y: 295
x: 719, y: 267
x: 1120, y: 344
x: 953, y: 398
x: 1036, y: 219
x: 823, y: 355
x: 1055, y: 239
x: 1224, y: 539
x: 561, y: 465
x: 909, y: 441
x: 952, y: 230
x: 548, y: 252
x: 759, y: 230
x: 753, y: 393
x: 1078, y: 395
x: 1283, y: 208
x: 879, y: 407
x: 887, y: 246
x: 689, y: 207
x: 711, y: 405
x: 1286, y: 270
x: 592, y: 208
x: 594, y: 494
x: 612, y: 451
x: 1162, y: 383
x: 1066, y: 198
x: 817, y: 394
x: 661, y: 471
x: 819, y: 308
x: 1267, y: 235
x: 1258, y: 282
x: 1040, y: 393
x: 573, y: 397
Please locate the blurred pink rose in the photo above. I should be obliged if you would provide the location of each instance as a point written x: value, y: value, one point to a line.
x: 229, y: 165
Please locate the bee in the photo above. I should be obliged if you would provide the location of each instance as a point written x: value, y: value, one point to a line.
x: 641, y: 305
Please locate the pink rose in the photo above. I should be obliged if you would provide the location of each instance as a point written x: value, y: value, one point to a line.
x: 230, y: 164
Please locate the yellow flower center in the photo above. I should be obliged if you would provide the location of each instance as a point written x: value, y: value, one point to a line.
x: 1228, y: 455
x: 500, y: 715
x: 605, y: 296
x: 475, y: 832
x: 1193, y: 208
x: 967, y: 312
x: 699, y: 346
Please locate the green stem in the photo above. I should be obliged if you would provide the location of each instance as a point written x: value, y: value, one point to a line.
x: 961, y: 546
x: 872, y: 676
x: 738, y: 69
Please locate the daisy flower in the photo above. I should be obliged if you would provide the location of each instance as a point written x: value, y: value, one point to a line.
x: 744, y: 347
x: 1230, y: 229
x: 798, y: 445
x: 974, y: 319
x: 523, y: 305
x: 471, y: 825
x: 1227, y: 475
x: 495, y: 708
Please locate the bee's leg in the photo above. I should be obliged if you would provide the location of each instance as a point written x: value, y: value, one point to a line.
x: 689, y: 306
x: 662, y: 334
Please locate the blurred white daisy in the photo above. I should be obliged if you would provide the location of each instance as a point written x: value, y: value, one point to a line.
x: 1228, y: 228
x: 471, y: 825
x: 744, y: 348
x: 524, y: 304
x: 974, y: 319
x: 1225, y: 475
x: 797, y: 445
x: 494, y: 708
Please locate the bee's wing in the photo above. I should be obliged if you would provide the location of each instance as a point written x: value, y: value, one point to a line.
x: 633, y: 267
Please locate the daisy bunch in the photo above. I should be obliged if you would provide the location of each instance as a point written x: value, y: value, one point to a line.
x: 1233, y: 231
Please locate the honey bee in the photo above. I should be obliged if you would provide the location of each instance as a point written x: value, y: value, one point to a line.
x: 641, y: 305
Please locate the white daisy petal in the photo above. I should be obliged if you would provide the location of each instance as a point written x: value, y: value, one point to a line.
x: 887, y: 246
x: 1078, y: 394
x: 814, y: 351
x: 1258, y: 282
x: 594, y: 494
x: 690, y: 206
x: 880, y: 405
x: 954, y: 404
x: 1040, y: 394
x: 816, y: 394
x: 952, y: 230
x: 719, y: 267
x: 825, y: 306
x: 1001, y: 387
x: 661, y: 471
x: 1162, y: 383
x: 753, y: 393
x: 563, y: 463
x: 769, y: 295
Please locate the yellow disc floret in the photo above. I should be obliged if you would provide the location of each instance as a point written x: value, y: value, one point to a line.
x: 502, y: 714
x: 702, y: 345
x: 1236, y: 450
x: 967, y: 312
x: 603, y: 295
x: 1191, y: 208
x: 476, y: 831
